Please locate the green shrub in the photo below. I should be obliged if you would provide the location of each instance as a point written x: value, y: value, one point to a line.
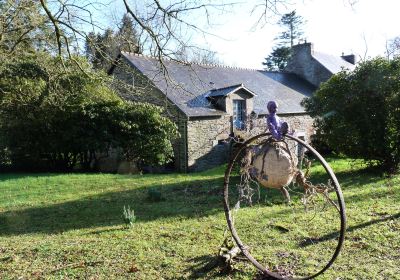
x: 318, y: 142
x: 58, y: 118
x: 358, y: 112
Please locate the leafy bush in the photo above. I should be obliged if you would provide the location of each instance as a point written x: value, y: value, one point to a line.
x: 318, y: 142
x: 57, y: 118
x: 358, y: 112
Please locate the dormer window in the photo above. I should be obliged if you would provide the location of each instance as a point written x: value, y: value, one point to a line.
x: 236, y: 100
x: 222, y: 98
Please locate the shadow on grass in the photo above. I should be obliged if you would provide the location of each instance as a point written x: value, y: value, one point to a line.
x: 334, y: 235
x: 350, y: 179
x: 203, y: 265
x: 189, y: 199
x: 194, y: 198
x: 358, y: 179
x: 211, y: 266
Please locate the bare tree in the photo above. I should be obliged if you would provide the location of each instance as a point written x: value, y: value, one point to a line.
x: 23, y: 27
x: 393, y: 47
x: 197, y: 55
x: 163, y: 27
x: 263, y: 10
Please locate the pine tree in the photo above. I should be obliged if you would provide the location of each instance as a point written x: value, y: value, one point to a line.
x: 281, y: 53
x: 102, y: 48
x: 278, y: 59
x: 292, y: 24
x: 127, y: 36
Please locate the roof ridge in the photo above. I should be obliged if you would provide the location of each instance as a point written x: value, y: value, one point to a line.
x: 224, y: 66
x: 272, y: 71
x: 144, y: 55
x: 333, y: 56
x: 188, y: 62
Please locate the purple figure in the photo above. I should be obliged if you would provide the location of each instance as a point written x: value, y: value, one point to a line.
x: 274, y: 124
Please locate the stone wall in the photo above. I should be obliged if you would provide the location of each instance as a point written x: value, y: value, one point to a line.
x: 114, y: 162
x: 303, y: 64
x: 301, y: 123
x: 206, y: 145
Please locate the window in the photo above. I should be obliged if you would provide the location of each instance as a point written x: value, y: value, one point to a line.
x: 239, y: 114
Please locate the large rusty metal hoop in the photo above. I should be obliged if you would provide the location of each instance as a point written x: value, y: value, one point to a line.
x: 229, y: 217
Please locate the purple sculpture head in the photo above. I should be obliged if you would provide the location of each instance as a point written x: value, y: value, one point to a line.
x: 272, y: 107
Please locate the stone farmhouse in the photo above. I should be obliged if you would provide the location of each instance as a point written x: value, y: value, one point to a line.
x: 209, y: 102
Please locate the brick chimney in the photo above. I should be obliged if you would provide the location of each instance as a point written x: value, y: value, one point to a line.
x: 306, y: 49
x: 314, y: 67
x: 303, y: 64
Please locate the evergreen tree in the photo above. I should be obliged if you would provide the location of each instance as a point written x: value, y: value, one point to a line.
x: 280, y: 54
x: 102, y: 48
x: 292, y: 25
x: 127, y: 36
x: 278, y: 59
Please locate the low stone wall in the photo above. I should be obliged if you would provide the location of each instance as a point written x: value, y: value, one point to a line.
x: 301, y: 123
x: 206, y: 145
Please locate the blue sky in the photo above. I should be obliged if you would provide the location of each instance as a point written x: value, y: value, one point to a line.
x: 334, y: 26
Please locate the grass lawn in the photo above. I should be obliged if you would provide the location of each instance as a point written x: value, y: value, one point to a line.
x: 70, y: 226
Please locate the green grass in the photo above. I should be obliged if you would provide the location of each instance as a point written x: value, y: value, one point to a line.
x: 71, y: 226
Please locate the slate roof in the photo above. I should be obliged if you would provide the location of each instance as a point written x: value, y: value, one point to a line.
x: 188, y: 85
x: 292, y: 81
x: 333, y: 63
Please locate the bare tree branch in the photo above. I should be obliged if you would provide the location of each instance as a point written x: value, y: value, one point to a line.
x: 393, y: 47
x: 55, y: 24
x: 269, y: 9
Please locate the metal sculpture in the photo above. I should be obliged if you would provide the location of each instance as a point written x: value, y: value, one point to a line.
x: 251, y: 166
